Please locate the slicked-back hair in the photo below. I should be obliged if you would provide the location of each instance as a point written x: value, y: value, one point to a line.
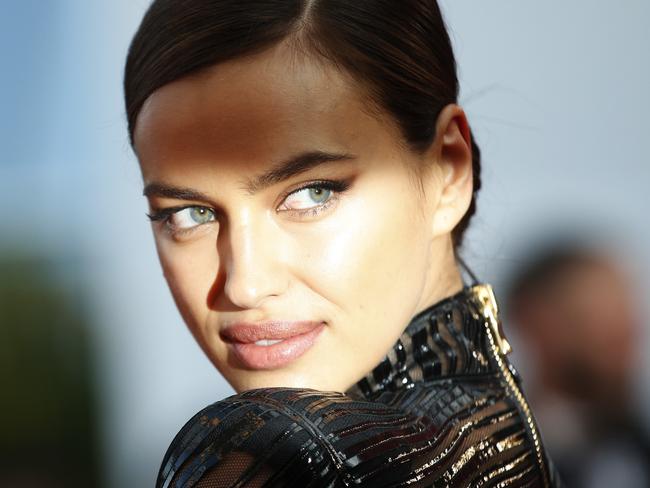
x: 398, y: 51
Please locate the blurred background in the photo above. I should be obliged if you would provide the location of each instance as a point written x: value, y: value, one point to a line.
x: 97, y: 370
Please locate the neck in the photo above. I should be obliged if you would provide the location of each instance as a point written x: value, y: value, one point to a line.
x: 446, y: 339
x: 447, y: 279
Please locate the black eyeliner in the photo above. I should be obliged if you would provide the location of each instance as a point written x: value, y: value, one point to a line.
x: 164, y: 213
x: 339, y: 186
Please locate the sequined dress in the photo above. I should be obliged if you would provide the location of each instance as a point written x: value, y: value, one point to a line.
x: 444, y: 408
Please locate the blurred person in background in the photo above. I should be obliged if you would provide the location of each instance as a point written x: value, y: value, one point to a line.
x: 576, y: 315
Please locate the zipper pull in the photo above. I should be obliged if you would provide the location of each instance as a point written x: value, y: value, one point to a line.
x: 490, y: 311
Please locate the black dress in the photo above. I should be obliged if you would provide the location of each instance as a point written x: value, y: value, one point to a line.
x: 444, y: 408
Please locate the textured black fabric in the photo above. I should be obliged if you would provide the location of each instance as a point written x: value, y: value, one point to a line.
x: 444, y: 408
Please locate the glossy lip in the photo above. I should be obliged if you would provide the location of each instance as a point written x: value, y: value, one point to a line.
x: 296, y: 339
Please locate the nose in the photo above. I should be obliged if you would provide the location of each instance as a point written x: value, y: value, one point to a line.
x: 253, y: 266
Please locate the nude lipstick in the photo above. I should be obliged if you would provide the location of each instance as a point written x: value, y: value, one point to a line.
x: 270, y: 345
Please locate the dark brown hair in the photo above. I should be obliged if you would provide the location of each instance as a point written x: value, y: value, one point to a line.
x: 398, y: 50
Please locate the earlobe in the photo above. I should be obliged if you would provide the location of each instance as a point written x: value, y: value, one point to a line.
x: 453, y: 151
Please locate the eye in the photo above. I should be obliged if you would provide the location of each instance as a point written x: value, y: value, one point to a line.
x: 191, y: 217
x: 313, y: 198
x: 300, y: 199
x: 183, y: 218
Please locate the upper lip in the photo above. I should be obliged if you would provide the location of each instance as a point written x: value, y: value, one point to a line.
x: 247, y: 332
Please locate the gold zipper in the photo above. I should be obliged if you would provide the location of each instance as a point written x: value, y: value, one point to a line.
x: 488, y: 308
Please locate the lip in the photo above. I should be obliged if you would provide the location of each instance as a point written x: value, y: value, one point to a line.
x: 296, y: 339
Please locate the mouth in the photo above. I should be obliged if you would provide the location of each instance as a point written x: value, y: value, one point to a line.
x: 267, y: 342
x: 271, y: 345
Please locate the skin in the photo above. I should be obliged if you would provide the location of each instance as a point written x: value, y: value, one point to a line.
x: 379, y: 252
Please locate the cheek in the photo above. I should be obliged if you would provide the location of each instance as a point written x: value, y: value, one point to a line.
x: 368, y: 254
x: 190, y: 272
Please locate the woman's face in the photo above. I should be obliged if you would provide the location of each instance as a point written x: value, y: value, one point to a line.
x: 282, y: 205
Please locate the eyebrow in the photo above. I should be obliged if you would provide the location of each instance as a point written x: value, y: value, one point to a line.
x: 279, y: 172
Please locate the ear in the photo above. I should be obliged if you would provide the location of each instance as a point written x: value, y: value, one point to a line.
x: 452, y: 151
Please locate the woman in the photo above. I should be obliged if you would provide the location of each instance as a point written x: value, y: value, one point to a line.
x: 310, y: 176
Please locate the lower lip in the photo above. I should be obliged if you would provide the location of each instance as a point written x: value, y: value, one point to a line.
x: 269, y: 357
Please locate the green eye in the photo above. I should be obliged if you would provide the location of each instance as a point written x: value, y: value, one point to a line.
x: 308, y: 197
x: 314, y: 198
x: 200, y: 215
x: 189, y: 217
x: 319, y: 195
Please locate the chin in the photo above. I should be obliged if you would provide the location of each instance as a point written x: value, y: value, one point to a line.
x: 270, y: 379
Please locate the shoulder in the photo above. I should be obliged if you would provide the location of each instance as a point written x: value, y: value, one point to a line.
x: 451, y: 430
x: 251, y: 434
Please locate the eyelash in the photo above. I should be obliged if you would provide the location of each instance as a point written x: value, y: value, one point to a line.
x: 164, y: 216
x: 337, y: 186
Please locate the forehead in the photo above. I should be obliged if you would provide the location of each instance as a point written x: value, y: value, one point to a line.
x: 257, y: 108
